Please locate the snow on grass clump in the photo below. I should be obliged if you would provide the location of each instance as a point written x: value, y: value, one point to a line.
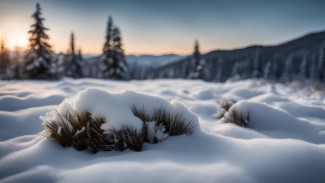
x: 98, y: 120
x: 236, y: 117
x: 274, y: 122
x: 224, y: 106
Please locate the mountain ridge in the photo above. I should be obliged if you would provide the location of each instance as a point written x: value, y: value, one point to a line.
x: 309, y: 46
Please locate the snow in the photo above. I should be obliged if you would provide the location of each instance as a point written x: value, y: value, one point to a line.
x: 284, y: 140
x: 152, y: 60
x: 116, y: 108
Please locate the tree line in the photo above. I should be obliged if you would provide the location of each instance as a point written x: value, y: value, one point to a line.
x: 39, y: 62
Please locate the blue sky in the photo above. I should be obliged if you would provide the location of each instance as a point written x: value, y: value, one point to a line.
x: 158, y: 27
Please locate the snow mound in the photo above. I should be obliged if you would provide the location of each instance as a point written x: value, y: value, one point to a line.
x: 278, y: 123
x: 283, y: 142
x: 116, y: 108
x: 124, y: 120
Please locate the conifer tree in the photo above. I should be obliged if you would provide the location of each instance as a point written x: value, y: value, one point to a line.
x: 235, y: 73
x: 61, y: 65
x: 4, y: 61
x: 198, y: 65
x: 303, y: 69
x: 258, y: 67
x: 268, y: 71
x: 39, y: 62
x: 16, y: 63
x: 80, y: 55
x: 74, y: 63
x: 119, y: 62
x: 287, y: 74
x: 218, y: 76
x: 113, y: 64
x: 322, y: 66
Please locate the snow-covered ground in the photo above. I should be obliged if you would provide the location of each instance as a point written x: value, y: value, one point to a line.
x: 284, y: 141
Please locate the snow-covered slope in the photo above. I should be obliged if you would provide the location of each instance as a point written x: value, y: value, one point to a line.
x: 284, y: 141
x: 152, y: 60
x: 300, y: 57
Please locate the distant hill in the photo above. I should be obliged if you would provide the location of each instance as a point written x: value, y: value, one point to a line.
x: 153, y: 60
x: 300, y: 57
x: 135, y: 62
x: 289, y: 55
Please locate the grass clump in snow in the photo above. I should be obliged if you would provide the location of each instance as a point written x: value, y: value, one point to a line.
x: 168, y: 123
x: 128, y: 138
x: 80, y: 130
x: 83, y: 131
x: 237, y: 118
x: 225, y: 105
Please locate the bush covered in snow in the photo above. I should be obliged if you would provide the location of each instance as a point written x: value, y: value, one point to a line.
x: 236, y: 117
x: 97, y: 120
x: 80, y: 130
x: 224, y: 106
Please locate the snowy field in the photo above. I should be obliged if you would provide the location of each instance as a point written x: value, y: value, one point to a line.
x: 284, y: 140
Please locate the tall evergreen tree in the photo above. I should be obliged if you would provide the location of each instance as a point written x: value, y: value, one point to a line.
x: 303, y: 69
x: 80, y: 55
x: 218, y: 76
x: 16, y: 63
x: 113, y: 64
x: 258, y: 67
x: 4, y: 61
x: 119, y: 63
x: 288, y: 74
x: 235, y: 71
x: 39, y: 61
x: 268, y: 71
x: 61, y: 64
x: 74, y: 63
x: 198, y: 65
x: 322, y: 66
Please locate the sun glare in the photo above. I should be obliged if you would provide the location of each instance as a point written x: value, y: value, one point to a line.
x: 16, y: 40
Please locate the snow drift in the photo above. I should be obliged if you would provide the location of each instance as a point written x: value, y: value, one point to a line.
x: 126, y: 120
x: 283, y: 142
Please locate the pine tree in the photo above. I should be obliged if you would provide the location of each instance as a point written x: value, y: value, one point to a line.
x: 198, y: 65
x: 119, y: 62
x: 113, y: 64
x: 287, y: 74
x: 61, y: 65
x: 4, y: 61
x: 80, y: 55
x: 313, y: 67
x: 39, y: 60
x: 218, y: 76
x: 303, y: 70
x: 106, y: 58
x: 235, y: 71
x: 16, y: 63
x: 258, y: 67
x: 268, y: 71
x: 15, y: 66
x: 74, y: 63
x: 322, y: 66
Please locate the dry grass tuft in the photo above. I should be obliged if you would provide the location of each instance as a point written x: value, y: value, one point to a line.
x: 128, y: 138
x: 237, y: 118
x: 83, y: 131
x: 225, y: 106
x: 174, y: 124
x: 80, y: 130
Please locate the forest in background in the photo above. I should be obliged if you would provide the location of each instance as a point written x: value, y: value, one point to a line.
x: 301, y: 59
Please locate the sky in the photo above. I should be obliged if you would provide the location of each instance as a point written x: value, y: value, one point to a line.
x: 162, y: 27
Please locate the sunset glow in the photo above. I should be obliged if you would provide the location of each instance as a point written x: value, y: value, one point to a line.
x: 171, y: 28
x: 17, y: 41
